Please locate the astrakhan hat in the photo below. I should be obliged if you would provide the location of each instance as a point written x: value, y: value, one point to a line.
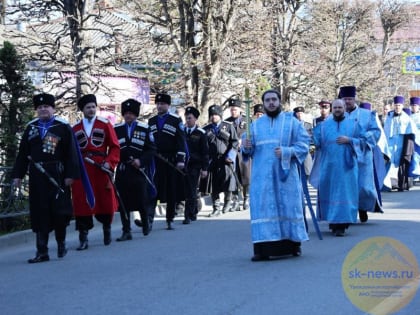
x: 258, y: 108
x: 192, y: 110
x: 234, y: 102
x: 215, y: 110
x: 85, y: 99
x: 130, y: 105
x: 163, y: 98
x: 43, y: 99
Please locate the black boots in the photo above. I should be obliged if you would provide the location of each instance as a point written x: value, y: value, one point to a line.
x: 169, y: 225
x: 126, y: 236
x: 42, y: 249
x: 107, y: 234
x: 83, y: 240
x: 216, y: 208
x: 61, y: 249
x: 39, y: 258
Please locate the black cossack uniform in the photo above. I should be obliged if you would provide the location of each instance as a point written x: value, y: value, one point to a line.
x: 136, y: 142
x: 222, y: 140
x: 198, y: 150
x: 167, y: 130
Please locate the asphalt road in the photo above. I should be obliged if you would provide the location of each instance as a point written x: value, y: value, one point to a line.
x: 201, y: 268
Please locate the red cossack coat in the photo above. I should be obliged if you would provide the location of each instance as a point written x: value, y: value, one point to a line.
x: 101, y: 146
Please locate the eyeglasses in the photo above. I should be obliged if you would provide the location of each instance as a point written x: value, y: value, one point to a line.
x: 325, y: 106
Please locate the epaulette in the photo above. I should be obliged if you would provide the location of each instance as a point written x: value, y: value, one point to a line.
x: 201, y: 130
x: 142, y: 124
x: 104, y: 120
x: 62, y: 120
x: 175, y: 115
x: 32, y: 121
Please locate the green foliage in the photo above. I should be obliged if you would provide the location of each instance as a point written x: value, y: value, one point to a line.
x: 15, y: 102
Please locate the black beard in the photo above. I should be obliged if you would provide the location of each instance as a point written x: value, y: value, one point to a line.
x: 338, y: 118
x: 274, y: 113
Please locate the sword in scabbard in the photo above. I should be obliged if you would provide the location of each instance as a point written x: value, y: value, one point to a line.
x: 111, y: 178
x: 232, y: 171
x: 40, y: 168
x: 149, y: 181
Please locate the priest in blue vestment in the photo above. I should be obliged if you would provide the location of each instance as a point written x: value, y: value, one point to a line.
x: 403, y: 141
x: 366, y: 121
x: 339, y: 142
x: 278, y: 144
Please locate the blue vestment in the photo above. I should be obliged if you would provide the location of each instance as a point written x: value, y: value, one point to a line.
x: 275, y: 189
x: 396, y: 127
x: 370, y: 133
x: 337, y: 167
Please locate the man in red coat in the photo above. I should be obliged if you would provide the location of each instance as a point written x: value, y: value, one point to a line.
x: 98, y: 142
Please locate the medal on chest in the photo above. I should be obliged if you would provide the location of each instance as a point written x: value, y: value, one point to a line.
x: 49, y: 143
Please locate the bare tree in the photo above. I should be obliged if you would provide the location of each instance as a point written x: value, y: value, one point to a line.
x: 203, y: 40
x: 71, y: 41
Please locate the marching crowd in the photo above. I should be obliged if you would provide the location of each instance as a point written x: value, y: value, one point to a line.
x: 349, y: 154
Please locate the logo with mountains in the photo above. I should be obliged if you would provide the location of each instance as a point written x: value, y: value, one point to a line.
x: 376, y: 252
x: 380, y: 275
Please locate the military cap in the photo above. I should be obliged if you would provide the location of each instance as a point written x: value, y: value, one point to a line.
x: 399, y: 99
x: 234, y: 102
x: 163, y: 98
x: 130, y: 105
x: 192, y: 110
x: 347, y: 91
x: 366, y: 105
x: 324, y: 102
x: 414, y: 100
x: 85, y: 99
x: 258, y: 108
x: 299, y: 109
x: 215, y: 110
x: 43, y: 99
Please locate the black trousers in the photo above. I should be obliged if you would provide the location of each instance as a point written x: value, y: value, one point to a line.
x: 275, y: 248
x: 85, y: 223
x: 191, y: 185
x: 59, y: 225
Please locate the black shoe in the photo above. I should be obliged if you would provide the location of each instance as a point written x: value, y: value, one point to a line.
x: 126, y: 236
x: 260, y: 258
x: 186, y: 221
x: 363, y: 216
x: 339, y: 232
x: 245, y: 205
x: 235, y: 207
x: 107, y: 236
x: 215, y: 213
x: 169, y: 225
x: 83, y: 245
x: 138, y: 223
x: 297, y: 251
x: 39, y: 258
x: 193, y: 217
x: 61, y: 250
